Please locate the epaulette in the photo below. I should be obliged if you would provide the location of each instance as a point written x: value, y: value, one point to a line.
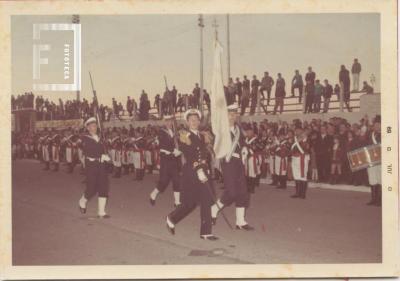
x: 184, y: 137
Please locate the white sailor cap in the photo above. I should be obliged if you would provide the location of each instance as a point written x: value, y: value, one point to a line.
x: 168, y: 117
x: 232, y: 108
x: 90, y: 121
x: 191, y: 111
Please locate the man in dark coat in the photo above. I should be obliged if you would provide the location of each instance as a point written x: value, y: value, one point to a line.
x: 255, y: 84
x: 344, y: 79
x: 196, y: 189
x: 297, y: 83
x: 280, y: 93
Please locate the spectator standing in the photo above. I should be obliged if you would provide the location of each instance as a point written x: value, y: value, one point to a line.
x: 238, y: 90
x: 255, y: 84
x: 157, y: 103
x: 144, y: 106
x: 231, y: 90
x: 266, y: 85
x: 246, y: 94
x: 344, y: 79
x: 167, y: 102
x: 355, y: 72
x: 196, y: 96
x: 129, y: 106
x: 328, y: 90
x: 279, y: 93
x: 324, y: 153
x: 318, y: 92
x: 336, y: 91
x: 134, y: 107
x: 297, y: 83
x: 174, y: 94
x: 207, y: 99
x: 180, y: 103
x: 309, y: 89
x: 310, y: 75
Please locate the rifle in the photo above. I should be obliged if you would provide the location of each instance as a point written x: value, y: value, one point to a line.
x: 96, y: 107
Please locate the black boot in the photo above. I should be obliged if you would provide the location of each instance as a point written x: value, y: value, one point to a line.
x: 282, y: 182
x: 378, y: 195
x: 274, y: 180
x: 251, y: 188
x: 332, y: 179
x: 126, y: 169
x: 304, y: 190
x: 297, y: 187
x: 139, y: 174
x: 69, y: 171
x: 373, y: 196
x: 117, y: 172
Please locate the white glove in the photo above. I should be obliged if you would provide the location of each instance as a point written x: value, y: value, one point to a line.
x: 105, y: 158
x: 202, y: 176
x: 177, y: 152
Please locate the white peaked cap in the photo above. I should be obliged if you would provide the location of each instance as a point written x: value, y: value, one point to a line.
x: 90, y: 120
x: 191, y: 111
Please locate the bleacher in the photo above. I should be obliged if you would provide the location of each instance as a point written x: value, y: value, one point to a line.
x: 291, y: 105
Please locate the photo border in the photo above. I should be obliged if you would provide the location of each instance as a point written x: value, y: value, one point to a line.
x: 390, y: 233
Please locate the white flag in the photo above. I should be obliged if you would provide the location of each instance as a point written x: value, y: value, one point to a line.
x: 219, y: 111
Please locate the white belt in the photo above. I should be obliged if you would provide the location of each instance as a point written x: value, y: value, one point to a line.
x: 237, y: 155
x: 93, y: 159
x: 165, y: 151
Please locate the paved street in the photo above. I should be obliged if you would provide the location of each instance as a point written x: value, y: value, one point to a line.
x: 331, y: 226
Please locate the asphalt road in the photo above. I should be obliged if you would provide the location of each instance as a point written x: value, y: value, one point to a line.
x: 330, y: 226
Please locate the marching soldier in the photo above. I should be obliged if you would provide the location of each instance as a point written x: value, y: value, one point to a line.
x: 116, y: 151
x: 300, y: 155
x: 169, y: 162
x: 71, y: 150
x: 281, y: 160
x: 374, y: 172
x: 234, y: 177
x: 272, y: 144
x: 55, y: 142
x: 195, y: 177
x: 252, y: 157
x: 139, y: 145
x: 96, y: 174
x: 125, y: 153
x: 44, y: 144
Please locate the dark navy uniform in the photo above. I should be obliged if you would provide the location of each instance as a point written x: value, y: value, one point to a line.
x: 234, y: 177
x: 194, y: 192
x: 169, y: 163
x: 96, y: 174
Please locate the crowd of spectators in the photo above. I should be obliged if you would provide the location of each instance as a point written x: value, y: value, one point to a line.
x: 248, y: 94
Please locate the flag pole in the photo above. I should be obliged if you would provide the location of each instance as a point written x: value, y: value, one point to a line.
x: 201, y: 25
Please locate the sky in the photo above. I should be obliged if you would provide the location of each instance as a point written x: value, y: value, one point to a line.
x: 126, y: 54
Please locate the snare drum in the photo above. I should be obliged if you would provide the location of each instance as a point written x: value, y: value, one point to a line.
x: 364, y: 157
